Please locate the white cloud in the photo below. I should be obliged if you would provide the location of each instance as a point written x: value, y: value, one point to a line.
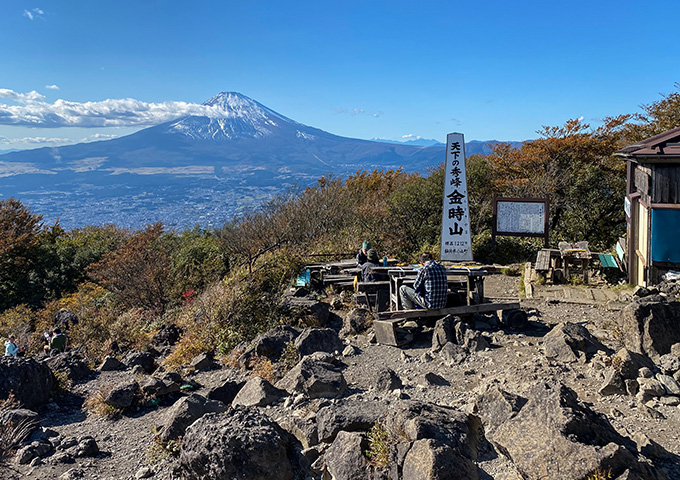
x: 126, y: 112
x: 98, y: 136
x: 29, y: 97
x: 33, y: 13
x: 52, y: 87
x: 33, y: 140
x: 357, y: 111
x: 410, y: 136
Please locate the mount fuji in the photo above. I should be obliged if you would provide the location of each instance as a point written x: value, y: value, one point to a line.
x: 194, y: 170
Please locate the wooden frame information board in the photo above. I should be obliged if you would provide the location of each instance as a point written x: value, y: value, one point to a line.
x: 520, y: 217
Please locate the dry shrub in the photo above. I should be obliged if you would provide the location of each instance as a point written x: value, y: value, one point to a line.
x: 12, y: 434
x: 380, y: 443
x: 263, y: 367
x: 234, y: 310
x: 17, y: 321
x: 96, y: 403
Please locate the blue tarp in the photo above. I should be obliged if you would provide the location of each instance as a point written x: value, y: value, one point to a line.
x: 665, y: 235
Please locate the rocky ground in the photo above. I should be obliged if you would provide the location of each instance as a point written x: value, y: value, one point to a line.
x: 466, y: 379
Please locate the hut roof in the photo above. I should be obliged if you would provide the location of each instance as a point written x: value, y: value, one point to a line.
x: 664, y: 147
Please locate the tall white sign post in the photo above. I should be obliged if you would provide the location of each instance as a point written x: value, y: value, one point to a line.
x: 456, y: 244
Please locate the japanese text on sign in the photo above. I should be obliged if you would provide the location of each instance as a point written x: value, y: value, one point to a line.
x: 456, y: 244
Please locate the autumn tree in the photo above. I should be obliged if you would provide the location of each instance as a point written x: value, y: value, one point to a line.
x: 658, y: 117
x: 138, y: 273
x: 19, y: 239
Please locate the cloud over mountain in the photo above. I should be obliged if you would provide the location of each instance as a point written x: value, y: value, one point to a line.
x: 32, y: 111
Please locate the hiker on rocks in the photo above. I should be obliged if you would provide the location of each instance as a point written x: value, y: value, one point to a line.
x: 362, y: 256
x: 57, y: 342
x: 430, y: 288
x: 11, y: 348
x: 368, y: 274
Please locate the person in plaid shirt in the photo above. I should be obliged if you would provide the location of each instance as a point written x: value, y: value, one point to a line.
x: 430, y: 288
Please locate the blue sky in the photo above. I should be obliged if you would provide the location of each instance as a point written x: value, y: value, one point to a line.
x: 76, y: 70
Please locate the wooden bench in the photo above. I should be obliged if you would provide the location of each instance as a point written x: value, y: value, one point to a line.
x: 374, y: 294
x: 385, y: 326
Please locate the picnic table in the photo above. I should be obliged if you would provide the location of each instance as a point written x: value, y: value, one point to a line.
x: 578, y: 253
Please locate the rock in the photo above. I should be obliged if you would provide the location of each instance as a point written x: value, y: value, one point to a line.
x: 556, y: 433
x: 72, y: 474
x: 203, y: 362
x: 565, y: 340
x: 269, y: 345
x: 350, y: 351
x: 314, y: 378
x: 669, y: 363
x: 111, y: 364
x: 143, y: 359
x: 650, y: 387
x: 649, y: 448
x: 350, y: 415
x: 123, y: 394
x: 167, y: 336
x: 239, y: 443
x: 144, y: 472
x: 629, y: 363
x: 153, y: 387
x: 70, y: 364
x: 613, y: 383
x: 30, y: 382
x: 387, y: 380
x: 65, y: 319
x: 651, y: 328
x: 428, y: 460
x: 226, y: 391
x: 632, y: 386
x: 496, y: 406
x: 318, y: 340
x: 308, y: 310
x: 345, y: 459
x: 258, y: 392
x: 87, y: 447
x: 453, y: 354
x: 444, y: 332
x: 669, y: 383
x: 357, y: 321
x: 304, y: 429
x: 431, y: 379
x: 24, y: 421
x: 183, y: 413
x: 645, y: 372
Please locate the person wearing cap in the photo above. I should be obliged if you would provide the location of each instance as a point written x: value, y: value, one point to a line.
x: 367, y: 272
x: 430, y: 289
x: 362, y: 256
x: 11, y: 348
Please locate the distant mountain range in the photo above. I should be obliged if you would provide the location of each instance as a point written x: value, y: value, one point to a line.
x: 195, y: 170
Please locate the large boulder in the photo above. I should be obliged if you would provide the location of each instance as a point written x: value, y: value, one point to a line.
x: 306, y: 310
x: 350, y: 415
x: 270, y: 344
x: 314, y: 377
x: 167, y: 336
x: 651, y: 328
x: 183, y: 413
x: 21, y: 421
x: 313, y: 340
x: 557, y: 436
x: 439, y: 441
x: 345, y: 458
x: 30, y: 382
x: 629, y: 363
x: 444, y: 332
x: 143, y: 359
x: 495, y: 406
x: 123, y: 395
x: 357, y: 321
x: 258, y: 392
x: 567, y: 342
x: 64, y: 319
x: 240, y: 443
x: 71, y: 364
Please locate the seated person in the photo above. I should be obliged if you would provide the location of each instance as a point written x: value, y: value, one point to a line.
x: 430, y: 288
x: 57, y: 342
x: 367, y: 272
x: 11, y: 348
x: 362, y: 256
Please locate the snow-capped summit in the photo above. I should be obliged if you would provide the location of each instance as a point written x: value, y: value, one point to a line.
x: 230, y: 116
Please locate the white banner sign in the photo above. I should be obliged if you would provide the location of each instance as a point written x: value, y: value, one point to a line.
x: 456, y: 245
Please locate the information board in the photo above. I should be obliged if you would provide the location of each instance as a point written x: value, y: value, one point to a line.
x: 456, y: 245
x: 521, y: 217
